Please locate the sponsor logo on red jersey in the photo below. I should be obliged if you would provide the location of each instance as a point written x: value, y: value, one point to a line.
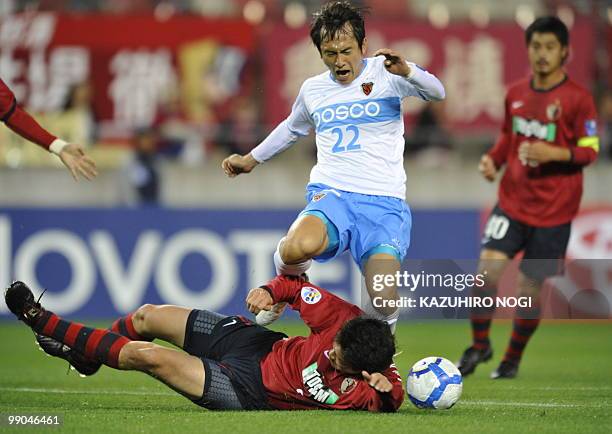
x: 533, y: 128
x: 313, y: 382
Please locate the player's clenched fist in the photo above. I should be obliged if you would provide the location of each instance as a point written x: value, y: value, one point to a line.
x: 378, y: 381
x: 259, y: 299
x: 236, y: 164
x: 487, y: 167
x: 394, y: 62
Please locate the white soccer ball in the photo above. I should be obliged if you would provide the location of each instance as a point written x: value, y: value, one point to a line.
x: 434, y: 382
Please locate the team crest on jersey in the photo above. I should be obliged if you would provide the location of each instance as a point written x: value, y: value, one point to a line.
x: 553, y: 111
x: 347, y: 385
x: 367, y: 87
x: 317, y: 197
x: 310, y: 295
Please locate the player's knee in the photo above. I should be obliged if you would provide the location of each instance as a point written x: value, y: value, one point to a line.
x: 491, y: 267
x: 491, y: 274
x: 142, y: 318
x: 300, y: 248
x: 140, y: 356
x: 155, y: 361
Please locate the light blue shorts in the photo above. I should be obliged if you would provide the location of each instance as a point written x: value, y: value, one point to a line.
x: 365, y: 224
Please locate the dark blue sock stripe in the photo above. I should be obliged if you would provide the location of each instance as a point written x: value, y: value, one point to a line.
x: 81, y: 340
x: 60, y: 330
x: 104, y: 346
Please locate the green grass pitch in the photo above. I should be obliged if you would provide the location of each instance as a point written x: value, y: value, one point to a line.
x: 564, y: 385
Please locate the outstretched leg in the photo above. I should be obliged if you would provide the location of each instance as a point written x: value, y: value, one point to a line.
x: 148, y: 322
x: 145, y: 324
x: 180, y: 371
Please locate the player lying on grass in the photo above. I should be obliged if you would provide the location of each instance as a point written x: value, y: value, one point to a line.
x: 230, y: 363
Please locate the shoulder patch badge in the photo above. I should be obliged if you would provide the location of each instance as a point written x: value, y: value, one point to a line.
x: 310, y: 295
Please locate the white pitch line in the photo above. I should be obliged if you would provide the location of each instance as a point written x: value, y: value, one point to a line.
x: 524, y: 404
x: 151, y: 393
x: 86, y: 392
x: 584, y: 388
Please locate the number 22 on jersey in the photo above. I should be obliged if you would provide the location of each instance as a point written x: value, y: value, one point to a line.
x: 346, y: 139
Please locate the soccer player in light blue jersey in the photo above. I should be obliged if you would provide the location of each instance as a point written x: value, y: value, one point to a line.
x: 356, y: 194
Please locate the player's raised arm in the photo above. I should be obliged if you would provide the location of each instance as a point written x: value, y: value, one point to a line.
x: 318, y: 308
x: 282, y: 137
x: 410, y: 79
x: 22, y: 123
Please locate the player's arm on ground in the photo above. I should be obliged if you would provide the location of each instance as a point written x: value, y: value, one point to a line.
x: 319, y: 309
x: 377, y: 392
x: 297, y: 124
x: 392, y: 399
x: 22, y: 123
x: 409, y: 79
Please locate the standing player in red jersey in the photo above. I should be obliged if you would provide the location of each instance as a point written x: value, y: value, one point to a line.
x: 230, y: 363
x: 549, y: 134
x: 20, y: 121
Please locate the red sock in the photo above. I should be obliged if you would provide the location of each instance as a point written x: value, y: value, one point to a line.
x: 97, y: 344
x: 480, y: 319
x: 480, y: 333
x: 125, y: 327
x: 525, y: 323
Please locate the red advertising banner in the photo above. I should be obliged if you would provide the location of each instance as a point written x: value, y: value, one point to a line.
x: 474, y: 64
x: 132, y: 63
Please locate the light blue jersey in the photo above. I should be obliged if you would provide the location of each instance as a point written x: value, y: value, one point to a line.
x: 358, y: 185
x: 359, y: 127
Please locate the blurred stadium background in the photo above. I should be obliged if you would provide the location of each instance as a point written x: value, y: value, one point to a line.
x: 160, y: 91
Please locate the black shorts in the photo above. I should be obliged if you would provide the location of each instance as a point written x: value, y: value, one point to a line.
x: 544, y: 248
x: 231, y: 348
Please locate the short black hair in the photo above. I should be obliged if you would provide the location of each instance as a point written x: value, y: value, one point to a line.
x: 330, y: 21
x: 367, y: 344
x: 550, y: 24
